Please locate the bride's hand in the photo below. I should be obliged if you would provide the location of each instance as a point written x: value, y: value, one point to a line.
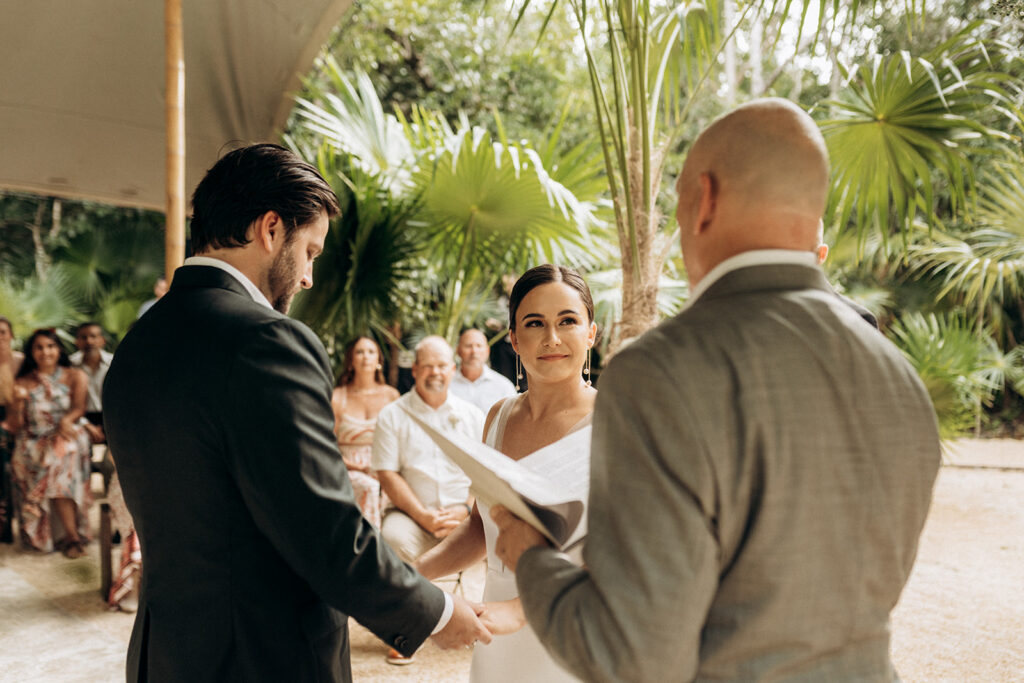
x: 502, y: 618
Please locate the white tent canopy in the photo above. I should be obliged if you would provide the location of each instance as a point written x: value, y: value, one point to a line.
x: 82, y: 88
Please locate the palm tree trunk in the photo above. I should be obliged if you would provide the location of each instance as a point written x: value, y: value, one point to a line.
x: 640, y: 276
x: 42, y: 258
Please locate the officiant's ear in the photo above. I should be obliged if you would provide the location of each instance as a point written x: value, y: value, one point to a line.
x: 269, y: 232
x: 708, y: 201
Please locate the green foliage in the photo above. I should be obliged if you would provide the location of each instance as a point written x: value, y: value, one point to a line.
x: 1002, y: 202
x: 900, y: 132
x: 982, y: 271
x: 433, y: 215
x: 94, y: 261
x: 31, y: 304
x: 458, y: 58
x: 370, y: 249
x: 962, y: 370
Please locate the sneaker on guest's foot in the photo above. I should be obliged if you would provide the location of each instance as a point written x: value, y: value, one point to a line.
x: 397, y: 658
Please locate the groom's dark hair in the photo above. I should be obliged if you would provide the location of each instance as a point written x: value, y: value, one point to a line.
x: 250, y: 181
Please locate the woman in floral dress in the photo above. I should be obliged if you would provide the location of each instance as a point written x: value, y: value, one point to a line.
x: 50, y: 466
x: 357, y: 400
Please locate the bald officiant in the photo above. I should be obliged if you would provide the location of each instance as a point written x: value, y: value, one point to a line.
x: 783, y: 450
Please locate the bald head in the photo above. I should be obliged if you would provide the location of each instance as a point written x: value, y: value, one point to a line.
x: 433, y: 369
x: 434, y: 344
x: 756, y: 178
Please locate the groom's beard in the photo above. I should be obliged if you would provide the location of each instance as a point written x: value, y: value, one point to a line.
x: 282, y: 279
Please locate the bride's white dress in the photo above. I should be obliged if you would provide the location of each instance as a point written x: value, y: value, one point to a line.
x: 518, y: 656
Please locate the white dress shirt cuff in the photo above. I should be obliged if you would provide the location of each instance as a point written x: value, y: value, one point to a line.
x: 446, y: 615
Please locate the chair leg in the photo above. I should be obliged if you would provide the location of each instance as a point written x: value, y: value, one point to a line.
x: 106, y: 551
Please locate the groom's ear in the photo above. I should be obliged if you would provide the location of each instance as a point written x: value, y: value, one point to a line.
x: 268, y: 231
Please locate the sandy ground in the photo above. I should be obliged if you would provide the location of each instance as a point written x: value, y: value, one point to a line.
x: 961, y: 617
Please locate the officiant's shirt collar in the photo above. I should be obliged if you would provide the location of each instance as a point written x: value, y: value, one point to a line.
x: 253, y: 290
x: 759, y: 257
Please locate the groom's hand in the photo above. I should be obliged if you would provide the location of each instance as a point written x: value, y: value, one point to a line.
x: 515, y: 536
x: 464, y: 628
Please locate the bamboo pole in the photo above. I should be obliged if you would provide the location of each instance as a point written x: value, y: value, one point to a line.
x: 174, y: 90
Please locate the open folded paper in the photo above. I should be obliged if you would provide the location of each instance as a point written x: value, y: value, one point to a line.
x: 550, y: 496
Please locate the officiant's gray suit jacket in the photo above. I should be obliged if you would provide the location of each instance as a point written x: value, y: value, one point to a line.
x: 762, y: 467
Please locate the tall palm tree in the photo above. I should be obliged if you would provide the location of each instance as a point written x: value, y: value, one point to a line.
x: 649, y: 63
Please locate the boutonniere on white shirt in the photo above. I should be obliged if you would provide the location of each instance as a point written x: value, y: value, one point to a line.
x: 453, y: 420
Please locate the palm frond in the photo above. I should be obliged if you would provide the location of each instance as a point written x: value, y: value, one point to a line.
x: 902, y: 121
x: 961, y: 370
x: 1002, y: 197
x: 981, y: 271
x: 31, y: 304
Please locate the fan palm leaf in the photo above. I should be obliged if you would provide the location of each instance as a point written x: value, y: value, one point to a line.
x: 1002, y: 201
x: 961, y: 369
x: 31, y: 304
x: 901, y: 121
x: 982, y: 271
x: 348, y: 114
x: 367, y: 253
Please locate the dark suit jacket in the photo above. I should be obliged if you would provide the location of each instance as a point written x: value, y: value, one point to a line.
x: 762, y: 468
x: 218, y: 409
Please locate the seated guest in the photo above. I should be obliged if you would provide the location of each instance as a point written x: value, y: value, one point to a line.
x: 430, y: 494
x: 10, y: 362
x: 475, y: 382
x: 357, y: 400
x: 159, y: 289
x: 50, y: 467
x: 92, y: 359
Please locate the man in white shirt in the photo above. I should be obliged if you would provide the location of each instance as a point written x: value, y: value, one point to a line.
x: 429, y: 492
x: 94, y: 361
x: 475, y: 381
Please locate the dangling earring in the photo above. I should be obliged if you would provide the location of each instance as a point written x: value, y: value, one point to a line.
x: 519, y: 372
x: 379, y: 366
x: 586, y: 368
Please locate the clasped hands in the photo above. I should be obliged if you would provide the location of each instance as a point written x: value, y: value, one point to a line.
x: 473, y: 622
x: 464, y: 628
x: 442, y: 521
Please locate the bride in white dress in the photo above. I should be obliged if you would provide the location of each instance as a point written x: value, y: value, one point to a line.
x: 551, y: 327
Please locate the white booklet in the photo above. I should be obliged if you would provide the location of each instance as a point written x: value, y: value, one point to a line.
x: 551, y: 496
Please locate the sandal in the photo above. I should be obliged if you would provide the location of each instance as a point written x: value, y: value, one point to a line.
x: 73, y: 550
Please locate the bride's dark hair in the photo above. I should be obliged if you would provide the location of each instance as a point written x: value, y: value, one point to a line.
x: 542, y: 275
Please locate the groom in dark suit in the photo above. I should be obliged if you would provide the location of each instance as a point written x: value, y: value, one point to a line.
x: 218, y: 408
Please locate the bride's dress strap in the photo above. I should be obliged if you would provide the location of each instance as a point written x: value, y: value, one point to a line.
x: 496, y: 433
